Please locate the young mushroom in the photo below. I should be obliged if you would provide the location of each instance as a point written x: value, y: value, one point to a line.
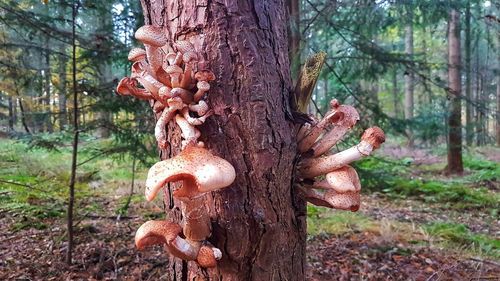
x: 153, y: 39
x: 347, y: 118
x: 128, y: 87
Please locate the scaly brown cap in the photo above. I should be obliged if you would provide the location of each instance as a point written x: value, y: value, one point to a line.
x: 374, y: 136
x: 151, y: 35
x: 136, y: 54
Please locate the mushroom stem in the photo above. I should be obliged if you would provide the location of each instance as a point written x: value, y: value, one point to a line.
x: 197, y: 226
x: 201, y: 108
x: 303, y: 131
x: 175, y: 104
x: 371, y: 140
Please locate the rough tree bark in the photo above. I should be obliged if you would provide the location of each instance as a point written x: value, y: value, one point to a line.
x: 258, y: 223
x: 409, y: 75
x: 455, y: 165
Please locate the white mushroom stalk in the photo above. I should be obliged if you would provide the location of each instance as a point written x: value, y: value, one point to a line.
x: 177, y: 81
x: 372, y: 139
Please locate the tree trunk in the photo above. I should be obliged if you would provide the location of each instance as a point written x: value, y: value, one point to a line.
x: 257, y: 222
x: 11, y: 113
x: 47, y: 112
x: 395, y: 93
x: 498, y: 92
x: 469, y: 134
x: 63, y: 112
x: 409, y: 77
x: 455, y: 165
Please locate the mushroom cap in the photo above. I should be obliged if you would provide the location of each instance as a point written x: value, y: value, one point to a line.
x: 204, y: 75
x: 136, y: 54
x: 203, y: 85
x: 331, y: 199
x: 173, y: 69
x: 123, y: 87
x: 151, y: 35
x: 184, y: 94
x: 349, y: 116
x: 349, y: 201
x: 156, y: 232
x: 343, y: 180
x: 208, y: 256
x: 374, y: 136
x: 200, y: 170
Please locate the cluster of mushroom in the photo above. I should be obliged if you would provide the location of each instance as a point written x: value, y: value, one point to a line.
x: 174, y: 79
x: 327, y: 179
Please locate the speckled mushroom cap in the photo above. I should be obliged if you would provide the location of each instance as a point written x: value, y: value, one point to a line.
x: 165, y: 232
x: 204, y: 75
x: 156, y: 232
x: 136, y: 54
x: 151, y: 35
x: 200, y: 171
x: 331, y: 199
x: 344, y: 180
x: 374, y: 136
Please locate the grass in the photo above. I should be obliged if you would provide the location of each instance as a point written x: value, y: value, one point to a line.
x: 458, y: 235
x: 396, y: 180
x: 33, y: 180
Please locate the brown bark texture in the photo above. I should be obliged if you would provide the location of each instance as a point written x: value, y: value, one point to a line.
x: 257, y: 222
x: 455, y: 164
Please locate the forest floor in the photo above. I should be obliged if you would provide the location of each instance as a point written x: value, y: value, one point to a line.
x: 427, y: 227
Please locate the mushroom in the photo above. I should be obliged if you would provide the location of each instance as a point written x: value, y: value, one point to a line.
x: 137, y: 54
x: 370, y: 140
x: 174, y: 71
x: 184, y: 94
x: 201, y: 108
x: 342, y: 180
x: 202, y: 86
x: 128, y: 87
x: 174, y: 104
x: 204, y: 75
x: 165, y: 232
x: 188, y: 59
x: 332, y: 116
x: 200, y: 170
x: 331, y: 199
x: 146, y: 80
x: 153, y: 38
x: 348, y: 116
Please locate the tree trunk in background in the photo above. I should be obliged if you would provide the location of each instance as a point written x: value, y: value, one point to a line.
x: 469, y: 134
x: 395, y: 93
x: 11, y: 113
x: 498, y: 92
x: 455, y: 165
x: 409, y: 75
x: 63, y: 113
x: 47, y: 113
x: 258, y: 223
x: 105, y: 28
